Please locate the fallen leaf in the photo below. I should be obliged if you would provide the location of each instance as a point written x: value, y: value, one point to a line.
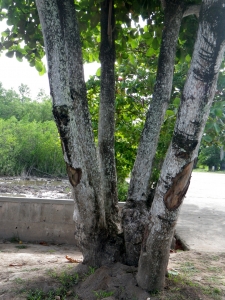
x: 43, y: 243
x: 173, y: 272
x: 70, y: 259
x: 16, y: 265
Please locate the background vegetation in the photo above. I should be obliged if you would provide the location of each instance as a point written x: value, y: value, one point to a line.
x: 29, y: 141
x: 30, y: 144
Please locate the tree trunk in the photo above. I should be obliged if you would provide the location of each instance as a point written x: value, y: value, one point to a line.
x: 70, y: 109
x: 106, y: 126
x: 175, y: 176
x: 135, y: 213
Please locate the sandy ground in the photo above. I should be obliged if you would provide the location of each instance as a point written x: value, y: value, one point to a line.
x: 26, y: 267
x: 34, y: 187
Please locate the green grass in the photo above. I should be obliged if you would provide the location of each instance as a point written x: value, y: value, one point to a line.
x: 65, y: 289
x: 19, y: 280
x: 14, y: 239
x: 102, y: 294
x: 181, y: 281
x: 21, y: 246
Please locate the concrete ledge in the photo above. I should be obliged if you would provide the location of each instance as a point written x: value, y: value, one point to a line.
x: 35, y: 200
x: 35, y: 220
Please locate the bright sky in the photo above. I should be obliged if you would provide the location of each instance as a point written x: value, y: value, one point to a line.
x: 13, y: 73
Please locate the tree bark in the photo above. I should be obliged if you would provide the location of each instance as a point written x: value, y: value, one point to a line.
x: 175, y: 176
x: 70, y: 109
x: 192, y: 10
x: 106, y: 126
x: 135, y: 213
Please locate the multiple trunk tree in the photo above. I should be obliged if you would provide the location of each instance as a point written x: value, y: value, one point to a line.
x: 147, y: 228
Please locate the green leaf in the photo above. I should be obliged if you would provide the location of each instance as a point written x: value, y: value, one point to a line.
x: 19, y: 56
x: 134, y: 43
x: 6, y: 32
x: 146, y: 28
x: 124, y: 55
x: 38, y: 66
x: 188, y: 58
x: 170, y: 113
x: 207, y: 138
x: 218, y: 112
x: 95, y: 20
x: 155, y: 44
x: 176, y: 102
x: 10, y: 54
x: 217, y: 128
x: 8, y: 44
x: 150, y: 52
x: 147, y: 35
x: 43, y: 71
x: 132, y: 59
x: 98, y: 72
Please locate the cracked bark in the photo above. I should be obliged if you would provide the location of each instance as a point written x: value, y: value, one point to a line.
x: 70, y: 109
x: 106, y: 126
x: 174, y: 180
x: 135, y: 213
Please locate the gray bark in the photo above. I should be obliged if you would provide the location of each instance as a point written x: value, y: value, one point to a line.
x: 70, y: 109
x: 192, y: 10
x: 106, y: 126
x: 135, y: 213
x: 175, y: 176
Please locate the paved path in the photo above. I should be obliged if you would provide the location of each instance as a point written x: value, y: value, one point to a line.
x: 201, y: 222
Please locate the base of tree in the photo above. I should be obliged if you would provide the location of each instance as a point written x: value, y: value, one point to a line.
x: 116, y: 280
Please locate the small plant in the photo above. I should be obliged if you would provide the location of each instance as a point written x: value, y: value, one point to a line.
x: 18, y: 280
x: 14, y: 239
x: 67, y: 281
x: 51, y: 251
x: 102, y: 294
x: 91, y: 270
x: 35, y: 295
x: 215, y: 293
x: 21, y: 246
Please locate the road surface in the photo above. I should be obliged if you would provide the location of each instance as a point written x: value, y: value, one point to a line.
x: 201, y: 223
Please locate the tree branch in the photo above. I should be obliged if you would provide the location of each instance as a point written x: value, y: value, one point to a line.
x: 140, y: 177
x: 106, y: 126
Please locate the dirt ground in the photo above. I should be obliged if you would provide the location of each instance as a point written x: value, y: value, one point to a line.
x: 35, y: 187
x: 42, y: 271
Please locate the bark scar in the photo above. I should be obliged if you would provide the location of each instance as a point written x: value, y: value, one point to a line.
x: 175, y: 194
x: 74, y: 175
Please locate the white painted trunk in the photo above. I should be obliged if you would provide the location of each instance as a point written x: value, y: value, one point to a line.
x: 135, y: 213
x: 70, y: 109
x: 175, y: 175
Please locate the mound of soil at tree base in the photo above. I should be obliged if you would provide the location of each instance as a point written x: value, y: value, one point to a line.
x: 35, y: 187
x: 28, y: 269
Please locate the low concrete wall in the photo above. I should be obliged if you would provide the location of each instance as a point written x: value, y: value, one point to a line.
x: 37, y: 220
